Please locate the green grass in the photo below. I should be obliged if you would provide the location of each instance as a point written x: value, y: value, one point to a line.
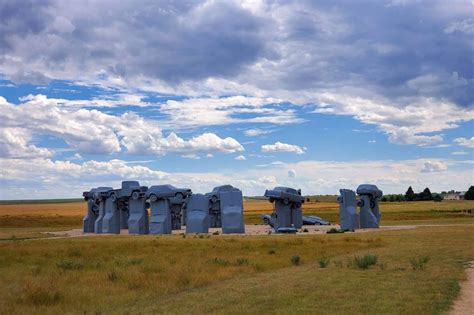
x: 208, y: 275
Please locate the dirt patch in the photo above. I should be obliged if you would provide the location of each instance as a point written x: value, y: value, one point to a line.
x: 250, y: 229
x: 464, y: 304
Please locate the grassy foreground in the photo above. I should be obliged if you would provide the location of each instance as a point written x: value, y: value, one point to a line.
x: 416, y: 271
x: 403, y: 271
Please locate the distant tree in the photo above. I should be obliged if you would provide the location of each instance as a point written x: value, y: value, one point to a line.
x: 383, y: 199
x: 437, y: 197
x: 400, y: 197
x: 469, y: 193
x: 410, y: 194
x: 426, y: 195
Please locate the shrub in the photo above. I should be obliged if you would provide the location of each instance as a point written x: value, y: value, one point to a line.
x: 75, y: 253
x: 364, y: 262
x: 242, y: 262
x: 323, y: 262
x: 305, y: 230
x: 220, y: 261
x: 69, y: 265
x: 334, y: 230
x: 215, y: 233
x: 295, y: 260
x: 419, y: 263
x: 271, y: 252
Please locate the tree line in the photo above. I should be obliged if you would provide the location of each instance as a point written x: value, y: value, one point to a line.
x: 425, y: 195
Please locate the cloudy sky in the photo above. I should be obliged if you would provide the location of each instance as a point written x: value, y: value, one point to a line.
x: 317, y: 95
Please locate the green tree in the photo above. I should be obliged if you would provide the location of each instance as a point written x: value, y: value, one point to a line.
x: 410, y: 194
x: 469, y: 193
x: 426, y: 194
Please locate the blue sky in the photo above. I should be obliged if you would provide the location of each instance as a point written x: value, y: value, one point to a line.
x: 317, y: 96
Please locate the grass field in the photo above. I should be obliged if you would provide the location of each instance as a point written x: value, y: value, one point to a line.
x: 416, y: 270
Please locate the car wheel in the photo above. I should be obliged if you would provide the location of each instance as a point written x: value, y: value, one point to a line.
x: 135, y: 195
x: 286, y: 201
x: 153, y: 198
x: 113, y: 197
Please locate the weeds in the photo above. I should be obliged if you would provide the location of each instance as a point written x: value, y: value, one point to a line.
x: 112, y: 275
x: 220, y: 261
x: 75, y: 253
x: 40, y: 295
x: 70, y: 265
x: 295, y: 260
x: 242, y: 262
x: 323, y: 262
x: 364, y: 262
x: 418, y: 263
x: 338, y: 263
x: 35, y: 270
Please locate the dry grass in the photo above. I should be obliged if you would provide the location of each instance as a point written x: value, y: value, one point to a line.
x: 208, y: 275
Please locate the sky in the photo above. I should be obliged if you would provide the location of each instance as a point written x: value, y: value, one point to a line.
x: 316, y: 95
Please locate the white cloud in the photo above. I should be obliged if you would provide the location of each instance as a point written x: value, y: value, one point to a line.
x: 14, y: 143
x: 459, y: 153
x: 225, y: 110
x: 45, y: 178
x: 433, y: 166
x: 240, y: 158
x: 91, y: 131
x: 407, y: 124
x: 283, y: 147
x: 291, y: 173
x: 465, y: 26
x: 465, y: 142
x: 256, y: 132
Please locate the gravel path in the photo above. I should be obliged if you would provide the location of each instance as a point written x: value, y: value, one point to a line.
x: 464, y: 304
x: 250, y: 229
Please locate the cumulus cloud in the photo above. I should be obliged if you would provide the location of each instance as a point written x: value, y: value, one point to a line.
x: 45, y: 178
x: 283, y: 147
x: 226, y: 110
x: 405, y: 125
x: 433, y: 166
x: 92, y: 131
x: 291, y: 173
x: 292, y: 51
x: 14, y: 143
x: 240, y: 158
x: 465, y: 142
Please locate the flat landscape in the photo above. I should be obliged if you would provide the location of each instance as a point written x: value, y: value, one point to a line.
x: 416, y: 270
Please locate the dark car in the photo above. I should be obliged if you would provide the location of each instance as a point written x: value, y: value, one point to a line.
x: 166, y: 191
x: 314, y: 220
x: 307, y: 220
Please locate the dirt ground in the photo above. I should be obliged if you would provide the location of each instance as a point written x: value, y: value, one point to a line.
x: 464, y: 304
x: 250, y: 229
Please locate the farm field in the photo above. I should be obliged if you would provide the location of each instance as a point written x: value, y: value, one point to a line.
x: 413, y: 271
